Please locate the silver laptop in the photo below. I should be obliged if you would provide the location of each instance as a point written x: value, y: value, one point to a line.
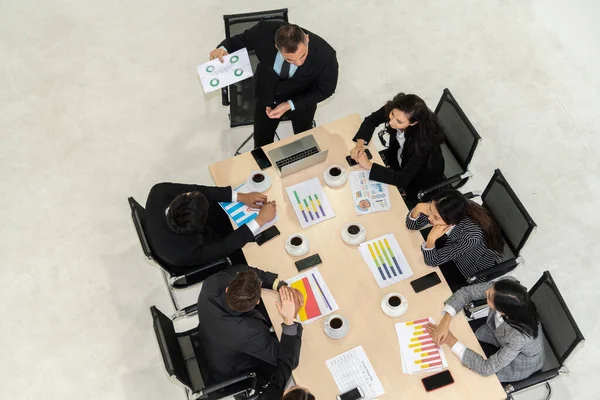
x: 296, y: 156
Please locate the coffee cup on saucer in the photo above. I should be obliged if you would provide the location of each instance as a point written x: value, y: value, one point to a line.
x: 297, y: 245
x: 354, y: 233
x: 394, y: 305
x: 335, y: 176
x: 258, y: 181
x: 336, y: 326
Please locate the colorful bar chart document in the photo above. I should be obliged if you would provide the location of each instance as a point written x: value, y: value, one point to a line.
x: 318, y: 300
x: 310, y: 203
x: 241, y: 214
x: 418, y: 352
x: 352, y: 369
x: 369, y: 196
x: 386, y: 260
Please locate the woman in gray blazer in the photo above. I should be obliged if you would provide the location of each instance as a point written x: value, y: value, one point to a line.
x: 512, y: 327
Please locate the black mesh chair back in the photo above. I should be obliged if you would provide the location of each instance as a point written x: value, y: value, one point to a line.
x: 560, y: 329
x: 241, y: 95
x: 508, y: 211
x: 461, y: 138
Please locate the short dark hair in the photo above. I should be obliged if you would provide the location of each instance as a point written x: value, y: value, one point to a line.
x: 188, y: 212
x: 298, y: 394
x: 243, y: 292
x: 288, y: 37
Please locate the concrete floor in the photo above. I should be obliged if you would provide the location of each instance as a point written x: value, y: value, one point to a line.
x: 100, y: 100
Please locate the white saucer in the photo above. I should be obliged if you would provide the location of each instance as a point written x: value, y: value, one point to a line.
x: 258, y: 187
x: 394, y: 312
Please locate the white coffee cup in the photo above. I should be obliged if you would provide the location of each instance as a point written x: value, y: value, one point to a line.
x: 354, y: 233
x: 335, y: 176
x: 394, y: 305
x: 258, y: 181
x: 297, y: 245
x: 336, y: 326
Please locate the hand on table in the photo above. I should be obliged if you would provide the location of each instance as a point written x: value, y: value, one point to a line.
x: 450, y: 339
x: 267, y: 213
x: 286, y: 305
x: 298, y: 300
x: 364, y: 161
x: 277, y: 112
x: 358, y: 149
x: 254, y: 199
x: 218, y: 53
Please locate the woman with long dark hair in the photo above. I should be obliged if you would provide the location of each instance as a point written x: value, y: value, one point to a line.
x: 512, y: 335
x: 464, y: 239
x: 414, y: 155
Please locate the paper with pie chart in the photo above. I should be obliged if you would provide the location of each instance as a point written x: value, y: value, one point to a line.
x: 215, y: 74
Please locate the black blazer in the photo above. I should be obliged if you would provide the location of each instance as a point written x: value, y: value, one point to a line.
x: 289, y: 358
x: 416, y: 172
x: 312, y: 82
x: 177, y: 250
x: 234, y: 342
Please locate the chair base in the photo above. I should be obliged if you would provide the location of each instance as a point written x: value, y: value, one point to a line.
x: 237, y: 152
x: 548, y: 395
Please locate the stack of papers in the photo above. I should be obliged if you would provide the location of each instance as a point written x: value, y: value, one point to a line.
x: 418, y: 352
x: 241, y: 214
x: 353, y: 369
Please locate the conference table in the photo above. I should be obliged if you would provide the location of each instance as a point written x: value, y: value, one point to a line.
x: 350, y: 280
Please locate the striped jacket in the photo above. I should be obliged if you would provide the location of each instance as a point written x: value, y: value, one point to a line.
x: 465, y: 245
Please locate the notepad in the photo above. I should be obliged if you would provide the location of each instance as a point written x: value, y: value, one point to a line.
x: 353, y: 369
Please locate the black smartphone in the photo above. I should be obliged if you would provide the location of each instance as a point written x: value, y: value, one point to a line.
x: 425, y: 282
x: 267, y: 235
x: 261, y: 158
x: 353, y: 163
x: 438, y: 380
x: 308, y: 262
x: 354, y: 394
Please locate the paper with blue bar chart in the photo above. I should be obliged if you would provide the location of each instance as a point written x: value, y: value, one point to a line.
x: 386, y: 260
x: 241, y: 214
x: 309, y: 202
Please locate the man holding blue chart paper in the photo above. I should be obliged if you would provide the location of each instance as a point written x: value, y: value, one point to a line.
x: 187, y: 227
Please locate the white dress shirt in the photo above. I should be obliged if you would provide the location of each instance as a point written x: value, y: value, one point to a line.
x: 401, y: 139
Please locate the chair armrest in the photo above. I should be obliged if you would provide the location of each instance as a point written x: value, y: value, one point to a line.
x: 476, y: 309
x: 225, y: 96
x: 472, y: 194
x: 201, y: 268
x: 495, y: 271
x: 230, y: 382
x: 185, y: 312
x: 444, y: 183
x: 533, y: 380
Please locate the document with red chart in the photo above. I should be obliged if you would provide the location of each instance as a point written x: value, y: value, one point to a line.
x: 318, y: 300
x: 417, y: 349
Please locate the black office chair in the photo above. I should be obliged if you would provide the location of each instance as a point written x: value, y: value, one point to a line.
x: 561, y: 334
x: 184, y: 359
x: 175, y: 277
x: 515, y: 222
x: 240, y: 96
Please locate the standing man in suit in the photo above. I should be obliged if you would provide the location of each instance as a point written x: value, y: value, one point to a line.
x: 186, y: 227
x: 236, y: 336
x: 297, y: 70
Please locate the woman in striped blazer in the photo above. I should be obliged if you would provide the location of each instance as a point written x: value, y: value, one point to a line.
x: 464, y: 239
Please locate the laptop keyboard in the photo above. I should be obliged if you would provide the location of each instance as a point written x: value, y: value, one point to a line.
x: 296, y: 157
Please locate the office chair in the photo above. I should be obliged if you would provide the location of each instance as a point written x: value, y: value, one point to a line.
x: 174, y: 277
x: 561, y: 334
x: 240, y: 96
x: 515, y: 222
x: 183, y: 356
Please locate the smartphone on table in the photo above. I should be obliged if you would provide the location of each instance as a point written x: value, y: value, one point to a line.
x: 354, y: 394
x: 353, y: 163
x: 261, y: 158
x: 266, y: 235
x: 425, y: 282
x: 308, y: 262
x: 437, y: 381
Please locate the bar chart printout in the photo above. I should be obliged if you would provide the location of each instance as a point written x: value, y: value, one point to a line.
x: 386, y: 260
x: 417, y: 349
x: 318, y: 300
x: 310, y: 202
x: 241, y: 214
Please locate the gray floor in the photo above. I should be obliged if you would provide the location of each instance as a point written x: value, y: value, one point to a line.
x: 100, y: 100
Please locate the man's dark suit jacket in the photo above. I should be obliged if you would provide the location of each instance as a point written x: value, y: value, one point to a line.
x: 313, y: 81
x: 234, y: 342
x: 185, y: 250
x: 416, y: 172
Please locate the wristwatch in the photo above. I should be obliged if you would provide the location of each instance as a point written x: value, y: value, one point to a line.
x: 280, y: 284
